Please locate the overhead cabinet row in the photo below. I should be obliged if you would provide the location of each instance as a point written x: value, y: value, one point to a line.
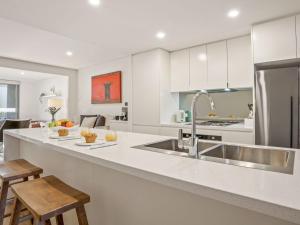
x: 276, y: 40
x: 224, y: 64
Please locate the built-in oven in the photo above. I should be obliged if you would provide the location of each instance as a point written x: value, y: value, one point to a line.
x: 204, y: 137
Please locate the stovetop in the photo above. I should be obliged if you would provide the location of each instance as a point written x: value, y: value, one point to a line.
x: 218, y: 123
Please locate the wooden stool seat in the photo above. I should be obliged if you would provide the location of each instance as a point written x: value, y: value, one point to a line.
x: 14, y: 171
x: 49, y: 197
x: 17, y: 169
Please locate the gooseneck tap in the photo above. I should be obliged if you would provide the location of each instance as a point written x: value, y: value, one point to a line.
x: 192, y: 143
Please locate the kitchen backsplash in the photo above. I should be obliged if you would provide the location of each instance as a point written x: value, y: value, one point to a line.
x: 227, y: 103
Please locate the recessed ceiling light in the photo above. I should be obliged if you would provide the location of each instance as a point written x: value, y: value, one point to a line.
x: 69, y: 53
x: 22, y: 73
x: 161, y: 35
x: 202, y: 57
x: 94, y: 2
x: 233, y: 13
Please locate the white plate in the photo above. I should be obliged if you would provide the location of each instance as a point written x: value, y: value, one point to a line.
x: 56, y: 136
x: 83, y: 143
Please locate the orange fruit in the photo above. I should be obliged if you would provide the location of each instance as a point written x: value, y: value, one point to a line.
x: 69, y: 124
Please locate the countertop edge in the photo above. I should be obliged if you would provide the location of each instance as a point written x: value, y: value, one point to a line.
x: 267, y: 208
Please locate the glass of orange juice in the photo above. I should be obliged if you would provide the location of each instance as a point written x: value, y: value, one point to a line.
x: 111, y: 136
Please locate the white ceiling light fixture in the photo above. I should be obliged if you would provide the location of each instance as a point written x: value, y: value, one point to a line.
x: 160, y: 35
x: 95, y: 3
x: 22, y: 73
x: 233, y: 13
x: 202, y: 57
x: 69, y: 53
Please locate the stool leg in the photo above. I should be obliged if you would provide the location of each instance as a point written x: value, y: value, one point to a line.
x: 81, y: 215
x: 60, y: 220
x: 36, y: 176
x: 14, y: 220
x: 3, y: 196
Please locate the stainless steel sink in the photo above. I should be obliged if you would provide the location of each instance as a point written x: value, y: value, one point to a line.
x: 253, y: 157
x: 275, y: 160
x: 171, y: 147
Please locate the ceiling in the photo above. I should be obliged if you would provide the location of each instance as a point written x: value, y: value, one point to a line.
x: 42, y: 31
x: 21, y: 75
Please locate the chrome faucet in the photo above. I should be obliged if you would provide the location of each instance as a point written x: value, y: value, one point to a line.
x: 192, y: 143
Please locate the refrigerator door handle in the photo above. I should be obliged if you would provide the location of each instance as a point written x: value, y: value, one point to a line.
x: 292, y: 122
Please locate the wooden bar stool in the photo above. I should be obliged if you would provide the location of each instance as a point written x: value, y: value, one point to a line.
x: 11, y: 172
x: 48, y: 197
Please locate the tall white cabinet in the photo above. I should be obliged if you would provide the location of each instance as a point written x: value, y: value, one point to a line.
x: 298, y: 34
x: 240, y: 65
x: 275, y: 40
x: 217, y: 65
x: 152, y: 98
x: 146, y: 88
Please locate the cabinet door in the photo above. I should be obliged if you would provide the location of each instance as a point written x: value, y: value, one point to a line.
x: 180, y: 70
x: 146, y: 88
x: 217, y: 65
x: 298, y: 35
x: 240, y: 62
x: 275, y: 40
x: 238, y: 137
x: 198, y: 68
x: 119, y: 126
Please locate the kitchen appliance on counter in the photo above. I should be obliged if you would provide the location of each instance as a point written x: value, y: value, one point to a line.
x: 181, y: 116
x: 277, y: 107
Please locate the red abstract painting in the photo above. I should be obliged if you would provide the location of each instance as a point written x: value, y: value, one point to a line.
x: 107, y: 88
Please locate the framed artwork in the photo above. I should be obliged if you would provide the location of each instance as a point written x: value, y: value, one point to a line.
x: 107, y: 88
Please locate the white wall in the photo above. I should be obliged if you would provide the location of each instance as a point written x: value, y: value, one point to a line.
x: 61, y: 85
x: 31, y: 66
x: 30, y: 90
x: 28, y: 100
x: 84, y: 88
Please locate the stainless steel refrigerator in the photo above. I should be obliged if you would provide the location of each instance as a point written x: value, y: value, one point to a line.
x: 277, y: 107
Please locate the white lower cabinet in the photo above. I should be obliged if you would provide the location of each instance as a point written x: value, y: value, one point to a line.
x: 119, y: 125
x: 238, y: 137
x: 146, y: 129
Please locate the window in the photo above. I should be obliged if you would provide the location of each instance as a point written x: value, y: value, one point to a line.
x: 9, y: 101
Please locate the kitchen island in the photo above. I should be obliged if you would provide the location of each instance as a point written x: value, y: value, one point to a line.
x: 129, y: 186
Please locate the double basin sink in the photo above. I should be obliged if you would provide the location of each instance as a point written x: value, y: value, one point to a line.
x: 275, y: 160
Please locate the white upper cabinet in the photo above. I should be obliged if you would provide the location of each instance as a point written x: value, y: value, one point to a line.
x: 298, y: 35
x: 217, y: 65
x: 198, y: 68
x: 146, y: 90
x: 240, y: 65
x: 180, y: 69
x: 275, y: 40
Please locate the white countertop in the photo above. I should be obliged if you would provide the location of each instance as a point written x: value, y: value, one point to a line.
x: 271, y: 193
x: 234, y: 127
